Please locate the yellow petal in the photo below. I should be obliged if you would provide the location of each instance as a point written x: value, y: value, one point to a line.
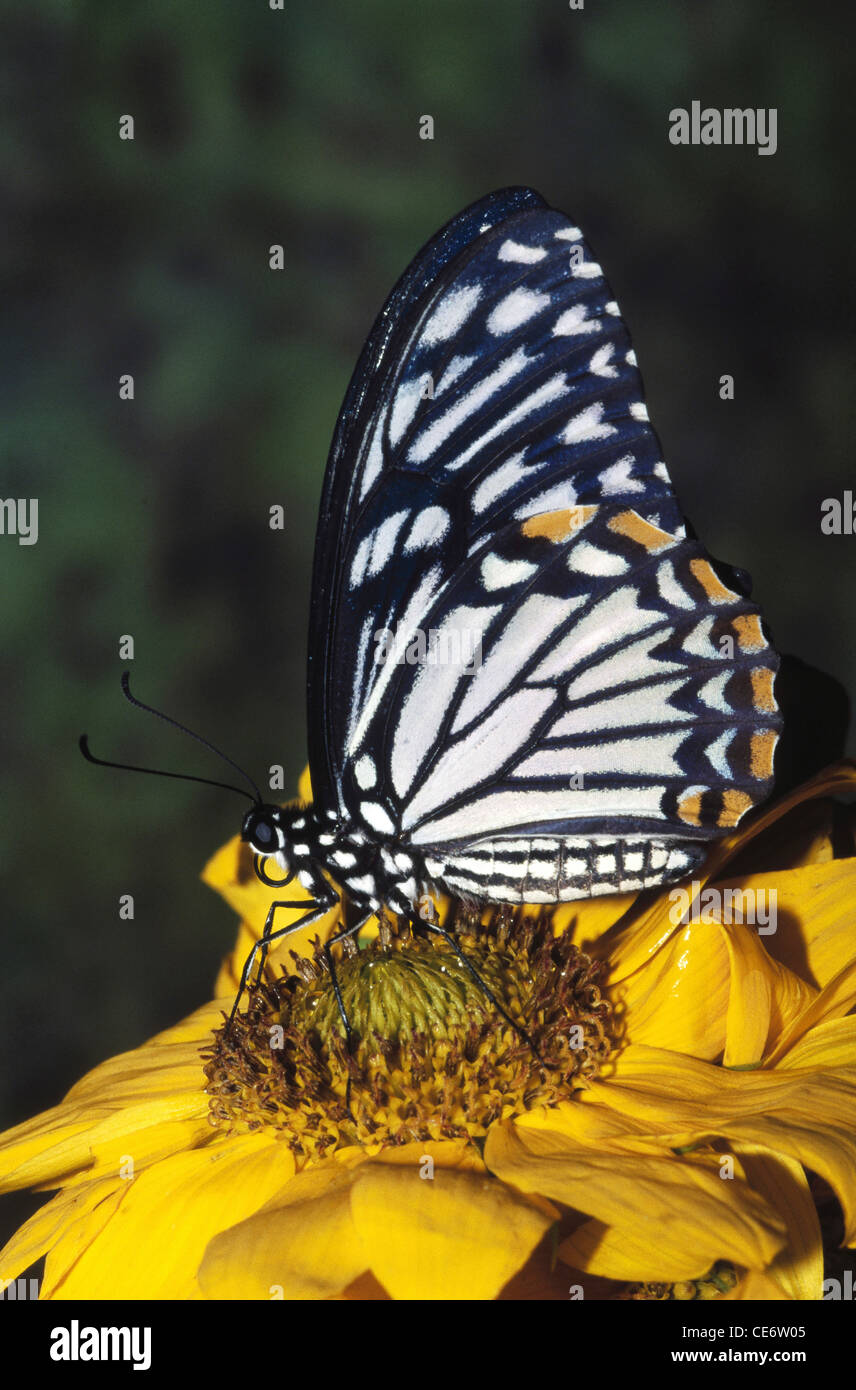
x: 444, y: 1153
x: 657, y: 1216
x: 146, y: 1103
x: 798, y: 1267
x: 678, y: 999
x: 230, y: 873
x: 229, y: 975
x: 153, y: 1244
x: 750, y: 1003
x: 814, y: 936
x: 75, y: 1215
x: 831, y: 1044
x: 303, y: 1245
x: 837, y: 997
x: 756, y: 1287
x: 588, y: 919
x: 809, y: 1115
x: 455, y: 1236
x: 764, y: 1000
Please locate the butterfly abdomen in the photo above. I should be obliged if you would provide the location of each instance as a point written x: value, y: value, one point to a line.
x: 546, y: 869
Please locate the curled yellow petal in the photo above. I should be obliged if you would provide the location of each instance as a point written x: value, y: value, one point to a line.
x: 807, y: 1114
x: 656, y: 1216
x: 678, y: 998
x: 798, y: 1267
x: 814, y: 935
x: 765, y: 998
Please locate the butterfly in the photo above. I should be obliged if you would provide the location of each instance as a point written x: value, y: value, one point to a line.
x: 527, y: 681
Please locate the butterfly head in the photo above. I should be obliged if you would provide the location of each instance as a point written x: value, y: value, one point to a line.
x: 263, y: 831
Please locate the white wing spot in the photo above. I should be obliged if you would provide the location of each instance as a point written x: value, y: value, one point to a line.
x: 670, y: 589
x: 639, y: 410
x: 612, y: 308
x: 407, y: 399
x: 430, y: 439
x: 616, y: 478
x: 590, y: 559
x: 362, y: 885
x: 712, y: 693
x: 553, y: 499
x: 498, y: 481
x: 698, y: 642
x: 526, y: 255
x: 358, y: 568
x: 456, y: 368
x: 515, y: 309
x: 589, y: 424
x: 451, y: 313
x: 568, y: 234
x: 429, y: 528
x: 374, y: 815
x: 497, y: 573
x: 365, y: 772
x: 574, y: 320
x: 600, y: 364
x: 384, y: 541
x: 374, y: 461
x: 586, y: 270
x: 716, y: 754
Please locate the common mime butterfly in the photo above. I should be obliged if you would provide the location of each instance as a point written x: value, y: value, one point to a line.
x: 528, y: 682
x: 576, y: 699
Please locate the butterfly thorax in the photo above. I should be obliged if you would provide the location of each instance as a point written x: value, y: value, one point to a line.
x: 322, y: 848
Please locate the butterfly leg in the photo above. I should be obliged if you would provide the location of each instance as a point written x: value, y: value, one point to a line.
x: 321, y: 905
x: 482, y: 984
x: 343, y: 1013
x: 262, y: 946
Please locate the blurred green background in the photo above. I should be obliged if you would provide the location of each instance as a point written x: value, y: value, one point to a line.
x: 256, y: 126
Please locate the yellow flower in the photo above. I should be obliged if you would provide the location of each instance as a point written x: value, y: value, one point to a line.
x: 678, y: 1156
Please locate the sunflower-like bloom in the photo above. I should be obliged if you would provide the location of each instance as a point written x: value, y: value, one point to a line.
x: 634, y: 1097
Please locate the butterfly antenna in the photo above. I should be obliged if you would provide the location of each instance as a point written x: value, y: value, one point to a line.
x: 155, y: 771
x: 212, y: 748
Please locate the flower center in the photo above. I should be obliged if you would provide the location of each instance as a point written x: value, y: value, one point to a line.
x: 432, y: 1054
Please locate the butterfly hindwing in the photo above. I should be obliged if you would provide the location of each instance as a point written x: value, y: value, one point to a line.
x: 586, y: 669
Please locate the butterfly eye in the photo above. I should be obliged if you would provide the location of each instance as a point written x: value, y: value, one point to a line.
x: 260, y: 832
x: 263, y: 834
